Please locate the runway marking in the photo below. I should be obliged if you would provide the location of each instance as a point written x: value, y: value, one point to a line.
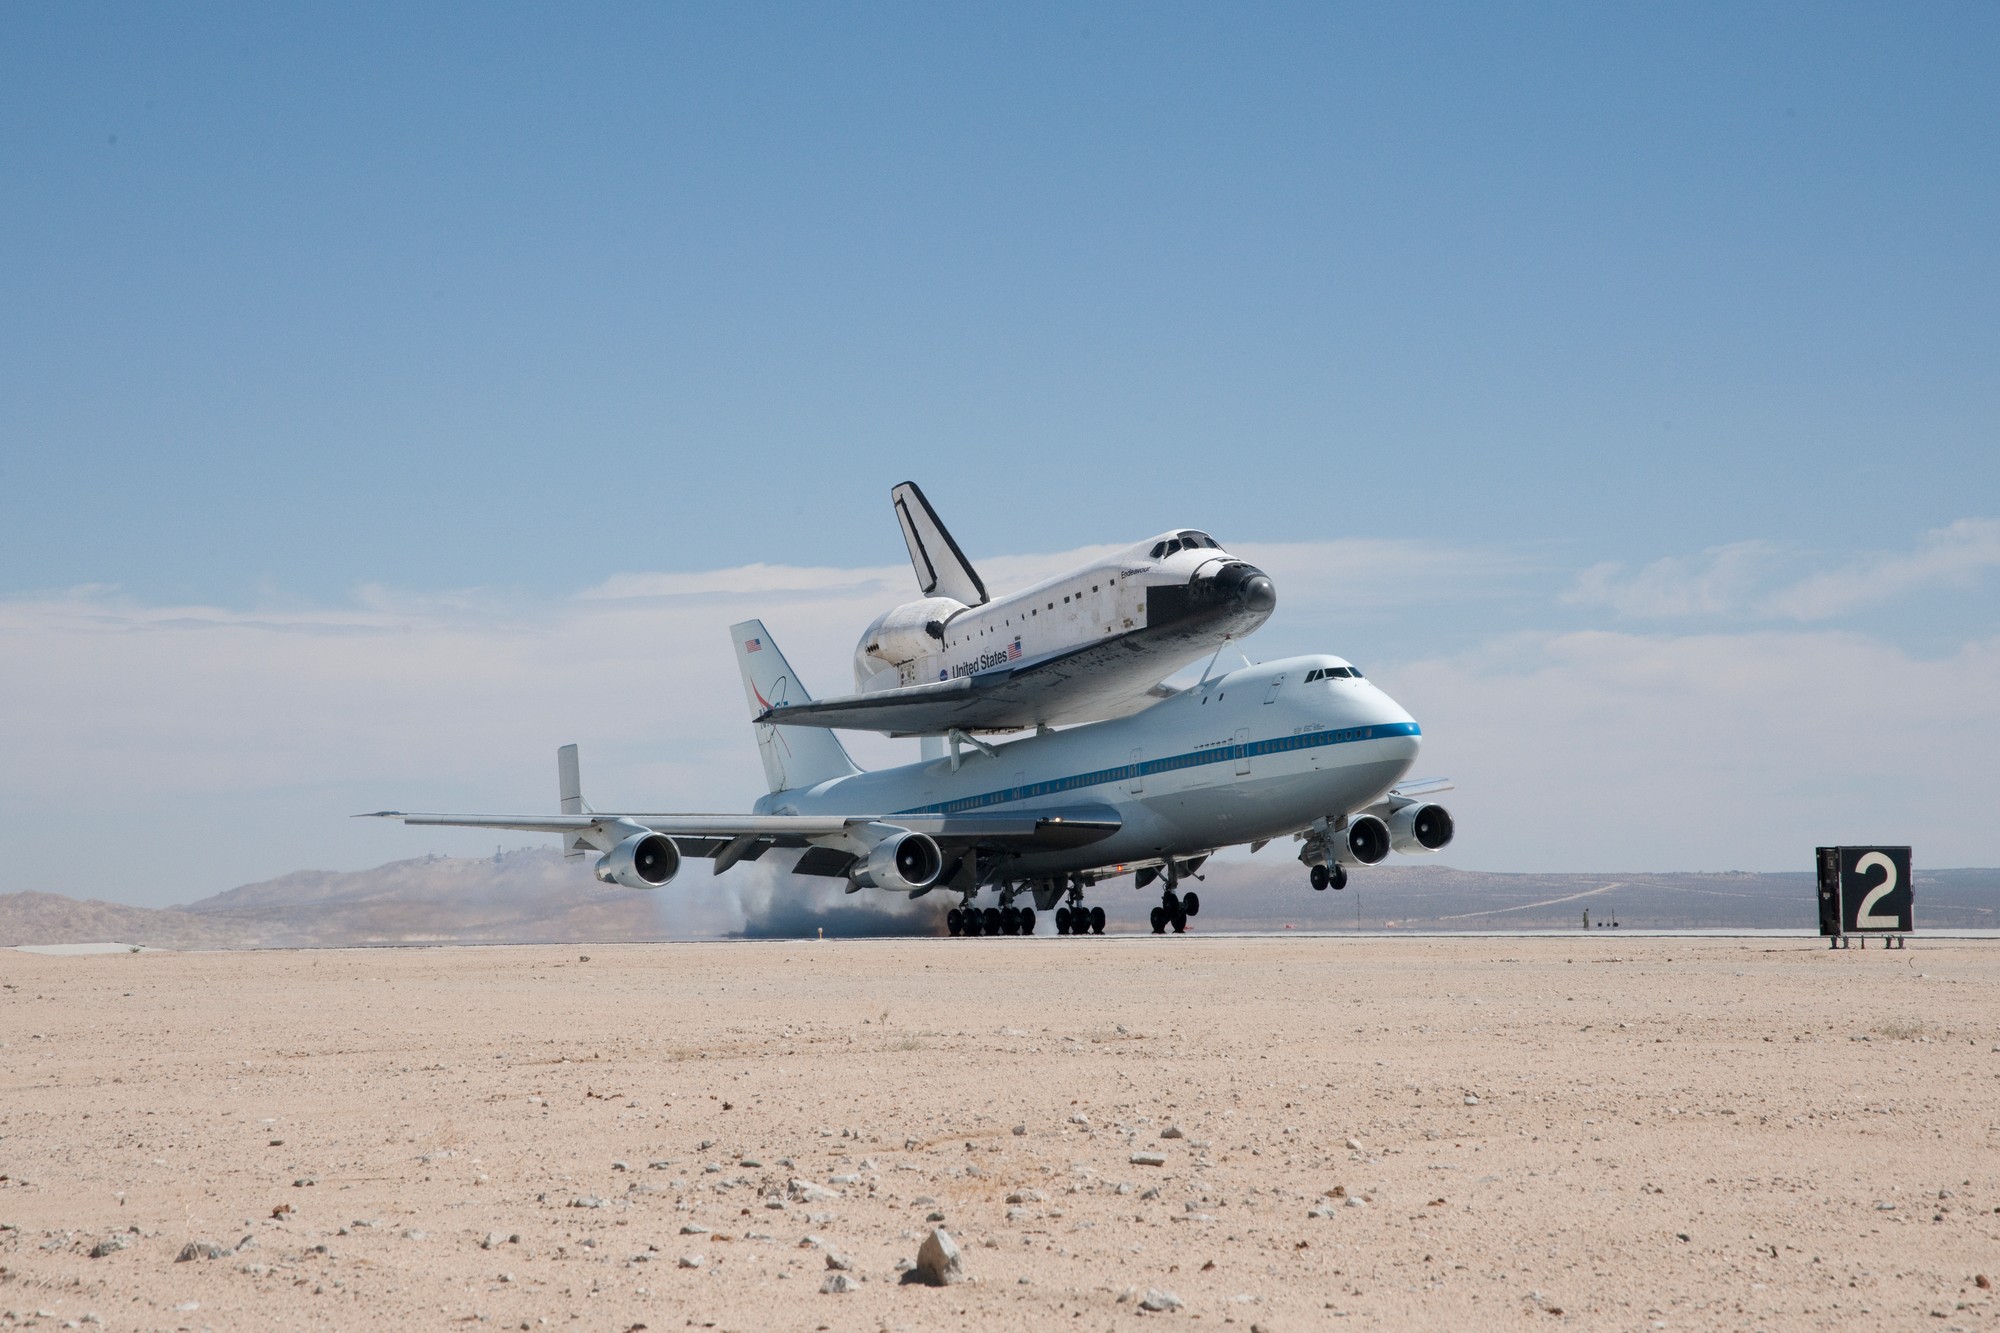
x: 1546, y: 902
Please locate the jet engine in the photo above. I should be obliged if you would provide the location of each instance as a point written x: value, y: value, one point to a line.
x: 642, y: 861
x: 904, y: 862
x: 1364, y: 842
x: 1416, y: 829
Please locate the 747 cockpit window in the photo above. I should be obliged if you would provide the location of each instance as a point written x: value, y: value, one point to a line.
x: 1333, y: 673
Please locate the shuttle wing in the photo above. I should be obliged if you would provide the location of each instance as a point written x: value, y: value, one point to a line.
x: 1092, y: 681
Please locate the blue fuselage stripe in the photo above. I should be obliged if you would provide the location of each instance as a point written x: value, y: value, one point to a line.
x: 1214, y: 754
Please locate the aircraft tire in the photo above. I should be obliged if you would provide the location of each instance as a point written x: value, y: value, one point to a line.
x: 1337, y: 878
x: 1180, y: 922
x: 990, y: 921
x: 1027, y: 920
x: 1159, y: 919
x: 1062, y: 921
x: 1097, y: 920
x: 954, y: 922
x: 1191, y: 904
x: 1319, y: 878
x: 971, y: 921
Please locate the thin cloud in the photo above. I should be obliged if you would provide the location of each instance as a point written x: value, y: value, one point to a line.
x: 1955, y: 556
x: 1721, y: 581
x: 1757, y: 579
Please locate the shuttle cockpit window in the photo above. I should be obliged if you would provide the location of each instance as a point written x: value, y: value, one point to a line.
x: 1192, y: 540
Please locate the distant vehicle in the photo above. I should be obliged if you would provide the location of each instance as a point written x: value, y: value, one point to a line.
x: 1087, y: 645
x: 1304, y: 747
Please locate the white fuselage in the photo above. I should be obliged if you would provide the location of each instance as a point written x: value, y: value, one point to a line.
x: 1257, y: 753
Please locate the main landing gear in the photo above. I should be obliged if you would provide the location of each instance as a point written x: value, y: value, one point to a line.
x: 1079, y: 920
x: 1329, y: 877
x: 1174, y: 910
x: 1076, y: 919
x: 990, y: 921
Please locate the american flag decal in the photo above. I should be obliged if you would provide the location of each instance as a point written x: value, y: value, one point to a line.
x: 1014, y: 650
x: 754, y: 645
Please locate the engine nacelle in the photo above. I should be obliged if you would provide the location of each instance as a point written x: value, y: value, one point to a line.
x: 903, y: 862
x: 642, y: 861
x: 1416, y: 829
x: 1364, y: 842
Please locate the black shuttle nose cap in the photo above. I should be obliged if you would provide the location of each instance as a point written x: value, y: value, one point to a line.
x: 1246, y: 585
x: 1258, y: 593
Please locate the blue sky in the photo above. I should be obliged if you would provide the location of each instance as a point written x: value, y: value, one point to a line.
x: 1628, y: 320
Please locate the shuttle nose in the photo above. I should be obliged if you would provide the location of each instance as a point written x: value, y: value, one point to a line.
x: 1246, y: 585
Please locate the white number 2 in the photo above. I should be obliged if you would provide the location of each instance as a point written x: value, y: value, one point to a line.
x: 1864, y: 916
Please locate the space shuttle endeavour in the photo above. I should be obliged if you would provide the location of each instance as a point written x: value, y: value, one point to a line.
x: 1090, y: 644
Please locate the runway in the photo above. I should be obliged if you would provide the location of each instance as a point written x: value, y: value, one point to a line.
x: 1617, y: 1131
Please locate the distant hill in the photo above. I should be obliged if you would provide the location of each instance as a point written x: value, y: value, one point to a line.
x: 530, y: 896
x: 535, y: 896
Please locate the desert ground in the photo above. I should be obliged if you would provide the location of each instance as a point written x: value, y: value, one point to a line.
x: 1277, y: 1133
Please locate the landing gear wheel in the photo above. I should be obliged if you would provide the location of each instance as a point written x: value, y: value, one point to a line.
x: 971, y: 921
x: 1180, y: 922
x: 1191, y: 904
x: 1010, y: 921
x: 1337, y: 878
x: 1062, y: 921
x: 1320, y: 878
x: 953, y: 921
x: 1097, y: 920
x: 1027, y: 920
x: 991, y: 921
x: 1159, y: 920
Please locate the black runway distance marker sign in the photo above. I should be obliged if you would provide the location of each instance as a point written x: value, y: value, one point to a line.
x: 1864, y: 890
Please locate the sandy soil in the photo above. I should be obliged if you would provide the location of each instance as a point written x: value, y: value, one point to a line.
x: 1631, y: 1133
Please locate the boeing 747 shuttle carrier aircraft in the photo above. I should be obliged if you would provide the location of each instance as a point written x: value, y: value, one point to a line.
x: 1304, y: 747
x: 1086, y: 645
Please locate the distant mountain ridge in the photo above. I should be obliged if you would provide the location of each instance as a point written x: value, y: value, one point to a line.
x: 535, y: 896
